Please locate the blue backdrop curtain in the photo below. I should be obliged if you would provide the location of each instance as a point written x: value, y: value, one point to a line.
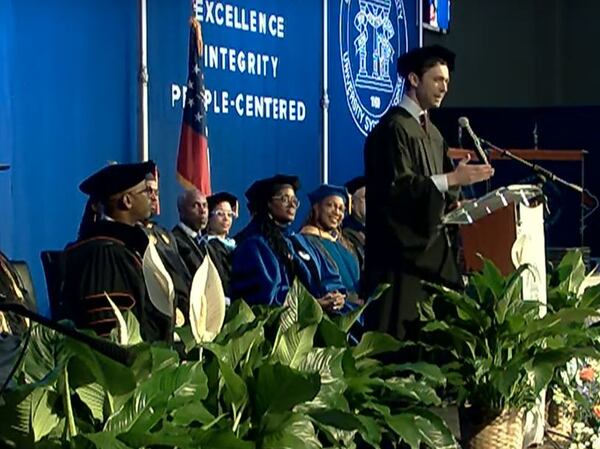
x: 69, y: 101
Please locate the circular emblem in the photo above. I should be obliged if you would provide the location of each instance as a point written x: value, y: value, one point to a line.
x: 373, y: 33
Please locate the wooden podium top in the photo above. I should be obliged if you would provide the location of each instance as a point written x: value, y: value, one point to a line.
x: 529, y: 155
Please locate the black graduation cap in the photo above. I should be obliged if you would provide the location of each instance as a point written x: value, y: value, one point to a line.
x: 414, y: 60
x: 217, y: 198
x: 4, y: 167
x: 262, y: 190
x: 116, y: 178
x: 356, y: 183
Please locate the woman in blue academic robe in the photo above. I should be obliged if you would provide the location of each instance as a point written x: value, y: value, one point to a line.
x: 323, y: 232
x: 272, y: 256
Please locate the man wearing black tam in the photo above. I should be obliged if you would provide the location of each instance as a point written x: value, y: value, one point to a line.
x: 109, y: 257
x: 411, y: 183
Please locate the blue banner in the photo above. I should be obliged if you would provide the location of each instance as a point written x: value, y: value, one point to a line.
x: 68, y: 97
x: 262, y: 65
x: 365, y: 39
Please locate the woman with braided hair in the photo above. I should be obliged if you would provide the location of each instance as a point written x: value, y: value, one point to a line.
x: 269, y: 259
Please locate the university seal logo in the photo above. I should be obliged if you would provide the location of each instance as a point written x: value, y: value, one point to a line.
x: 373, y: 33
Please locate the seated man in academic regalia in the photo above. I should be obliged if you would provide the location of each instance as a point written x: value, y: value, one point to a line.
x: 166, y: 246
x: 353, y: 226
x: 193, y: 216
x: 110, y: 257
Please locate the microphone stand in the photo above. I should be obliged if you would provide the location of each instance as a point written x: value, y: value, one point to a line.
x: 588, y: 199
x: 543, y: 172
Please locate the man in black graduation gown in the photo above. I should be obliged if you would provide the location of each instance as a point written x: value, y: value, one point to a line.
x: 411, y: 183
x: 108, y: 257
x: 353, y: 226
x: 166, y: 246
x: 193, y: 216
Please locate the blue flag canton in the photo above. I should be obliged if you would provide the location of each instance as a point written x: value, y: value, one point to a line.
x: 194, y: 114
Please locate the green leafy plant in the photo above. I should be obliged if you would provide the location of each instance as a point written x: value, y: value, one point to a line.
x: 272, y: 378
x: 499, y: 351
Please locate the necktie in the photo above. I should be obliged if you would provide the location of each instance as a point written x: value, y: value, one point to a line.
x: 423, y: 121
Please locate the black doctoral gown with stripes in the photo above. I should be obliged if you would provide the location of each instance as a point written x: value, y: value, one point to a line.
x: 405, y: 240
x: 107, y: 259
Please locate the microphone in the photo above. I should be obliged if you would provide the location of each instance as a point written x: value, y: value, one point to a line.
x: 464, y: 123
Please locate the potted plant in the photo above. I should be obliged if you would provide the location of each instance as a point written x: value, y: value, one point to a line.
x: 499, y: 351
x: 272, y: 378
x: 569, y: 395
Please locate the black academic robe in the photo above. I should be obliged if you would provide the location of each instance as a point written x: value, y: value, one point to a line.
x: 354, y: 231
x: 222, y: 256
x: 166, y: 246
x: 11, y: 290
x: 191, y: 252
x: 405, y: 240
x: 108, y: 259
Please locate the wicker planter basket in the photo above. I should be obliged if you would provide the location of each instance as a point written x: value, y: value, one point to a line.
x: 503, y: 432
x: 560, y: 419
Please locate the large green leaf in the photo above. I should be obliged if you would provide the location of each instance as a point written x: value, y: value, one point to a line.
x: 419, y: 426
x: 237, y: 347
x: 411, y: 389
x: 372, y: 430
x: 165, y: 390
x: 219, y: 438
x: 292, y: 345
x: 43, y: 418
x: 327, y: 362
x: 87, y: 365
x: 430, y: 372
x: 45, y: 353
x: 373, y: 343
x: 238, y: 315
x: 338, y: 419
x: 330, y: 334
x: 105, y: 440
x: 288, y: 431
x: 94, y: 396
x: 192, y: 412
x: 279, y: 388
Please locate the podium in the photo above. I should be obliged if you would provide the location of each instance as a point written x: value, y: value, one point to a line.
x: 507, y: 227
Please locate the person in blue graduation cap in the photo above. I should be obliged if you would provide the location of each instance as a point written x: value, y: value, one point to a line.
x: 266, y: 263
x: 323, y: 230
x: 109, y: 257
x: 222, y: 210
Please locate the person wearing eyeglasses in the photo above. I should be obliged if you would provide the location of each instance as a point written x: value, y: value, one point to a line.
x: 168, y: 251
x: 266, y: 263
x: 110, y: 257
x: 222, y: 210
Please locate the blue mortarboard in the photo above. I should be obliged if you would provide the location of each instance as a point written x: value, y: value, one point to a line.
x: 116, y: 178
x: 325, y: 190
